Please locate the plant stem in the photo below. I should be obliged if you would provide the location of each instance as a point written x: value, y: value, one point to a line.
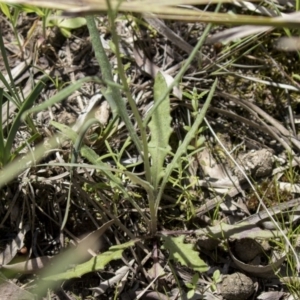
x: 102, y: 59
x: 112, y: 93
x: 131, y: 101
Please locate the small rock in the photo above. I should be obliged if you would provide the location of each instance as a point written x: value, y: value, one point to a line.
x: 256, y: 164
x: 237, y: 286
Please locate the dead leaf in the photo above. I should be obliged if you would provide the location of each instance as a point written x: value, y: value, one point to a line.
x: 13, y: 247
x: 258, y: 270
x: 9, y: 290
x: 236, y: 33
x: 271, y: 296
x: 102, y: 113
x: 121, y: 274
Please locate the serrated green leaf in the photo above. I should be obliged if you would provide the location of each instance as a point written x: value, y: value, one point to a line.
x: 96, y: 263
x: 184, y: 253
x: 160, y: 127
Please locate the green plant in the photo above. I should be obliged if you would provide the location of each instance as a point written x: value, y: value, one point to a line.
x: 216, y: 278
x: 192, y: 286
x: 64, y: 24
x: 148, y: 136
x: 12, y: 12
x: 10, y: 92
x: 156, y: 175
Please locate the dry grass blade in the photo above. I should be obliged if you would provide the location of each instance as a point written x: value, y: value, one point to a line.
x: 164, y: 11
x: 237, y: 33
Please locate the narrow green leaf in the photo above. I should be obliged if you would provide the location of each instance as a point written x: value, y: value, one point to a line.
x: 189, y: 285
x: 27, y: 104
x: 9, y: 85
x: 136, y: 179
x: 160, y: 131
x: 61, y: 95
x: 195, y: 279
x: 2, y: 141
x: 66, y: 130
x: 33, y: 9
x: 296, y: 76
x: 5, y: 9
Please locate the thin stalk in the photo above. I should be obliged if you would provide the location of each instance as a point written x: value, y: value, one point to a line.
x: 10, y: 86
x: 112, y: 94
x: 27, y: 104
x: 126, y: 89
x: 74, y: 158
x: 2, y: 143
x: 102, y: 60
